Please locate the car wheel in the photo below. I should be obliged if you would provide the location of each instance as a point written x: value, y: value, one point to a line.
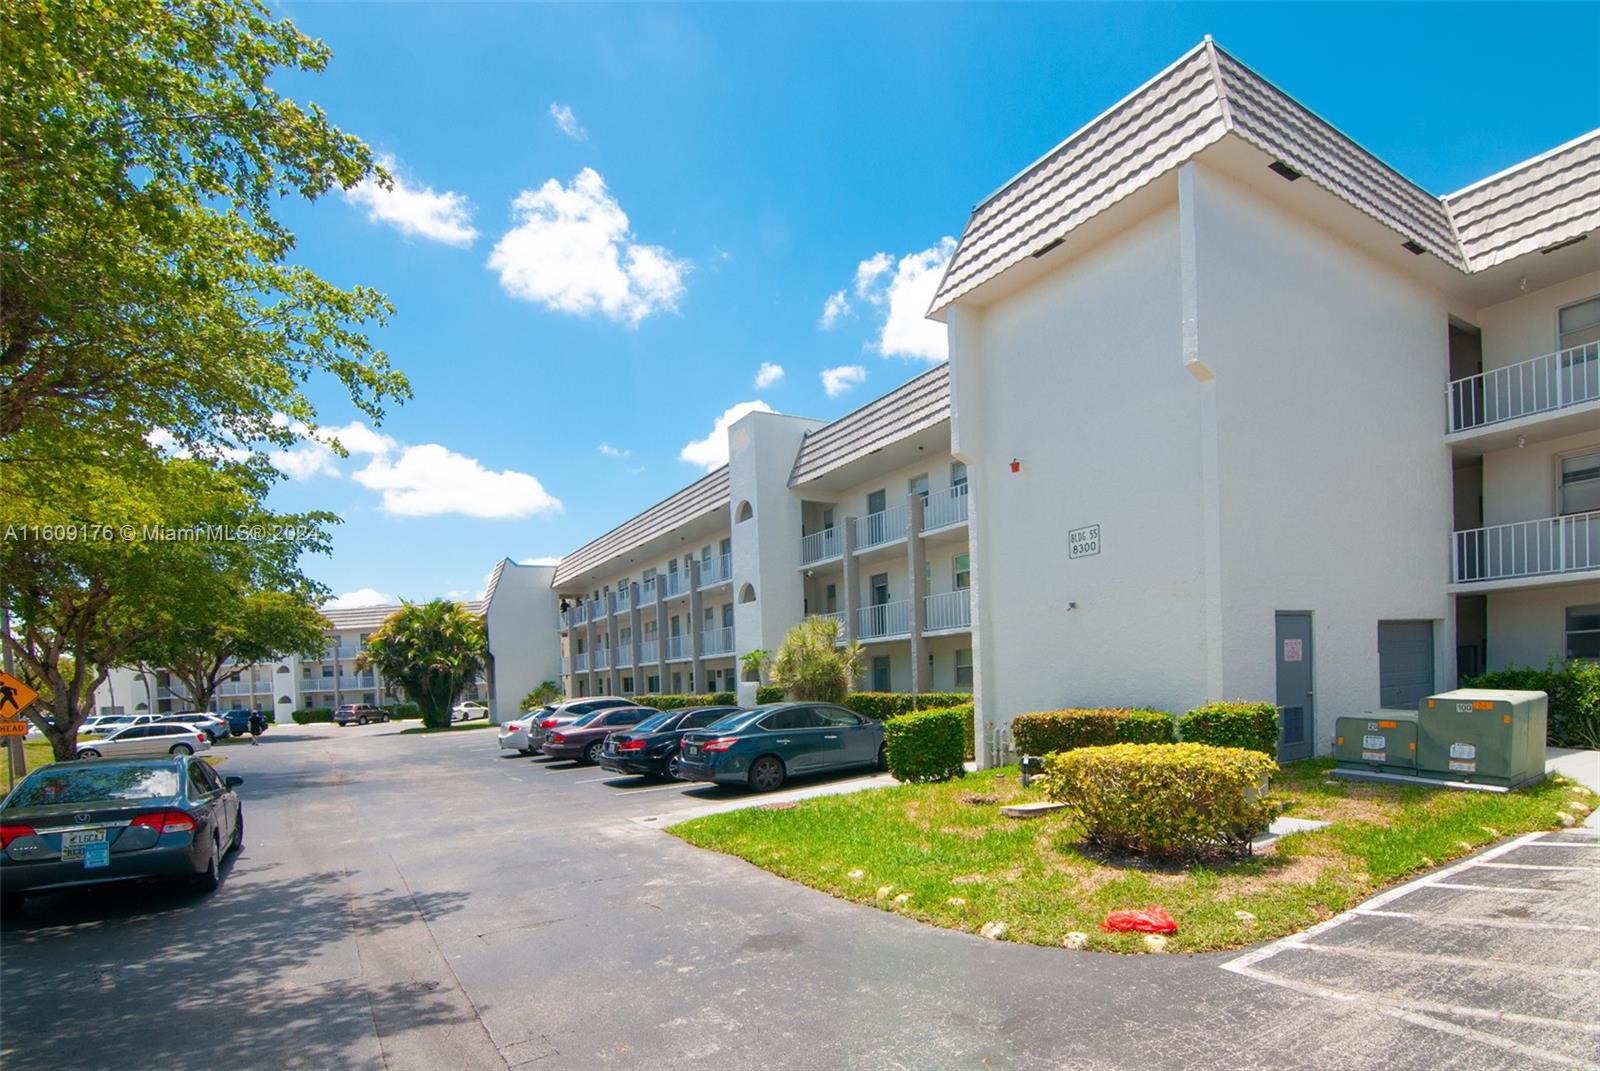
x: 208, y: 879
x: 766, y: 774
x: 526, y: 750
x: 181, y: 749
x: 238, y: 832
x: 883, y: 757
x: 674, y: 770
x: 592, y: 753
x: 88, y: 753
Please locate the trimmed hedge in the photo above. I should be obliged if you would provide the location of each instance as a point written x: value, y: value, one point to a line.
x: 881, y: 706
x: 1574, y: 691
x: 1177, y: 801
x: 926, y: 745
x: 674, y: 702
x: 1237, y: 724
x: 404, y: 712
x: 1064, y: 730
x: 312, y: 716
x: 768, y: 693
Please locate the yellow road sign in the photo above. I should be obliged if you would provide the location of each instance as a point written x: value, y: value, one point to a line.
x: 13, y: 728
x: 14, y: 697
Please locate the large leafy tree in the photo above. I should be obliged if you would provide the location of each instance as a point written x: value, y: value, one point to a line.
x: 432, y: 650
x: 145, y: 286
x: 814, y: 664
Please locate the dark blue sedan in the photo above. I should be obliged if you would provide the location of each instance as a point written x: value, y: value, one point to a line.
x: 764, y: 747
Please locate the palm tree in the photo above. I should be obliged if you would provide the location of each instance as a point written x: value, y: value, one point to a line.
x: 813, y: 665
x: 755, y: 664
x: 432, y: 650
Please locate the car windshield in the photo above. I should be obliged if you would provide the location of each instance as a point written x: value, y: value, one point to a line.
x: 653, y: 722
x: 589, y: 717
x: 102, y: 783
x: 738, y: 719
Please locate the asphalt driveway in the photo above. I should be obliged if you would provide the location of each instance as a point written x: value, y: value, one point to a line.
x: 423, y: 902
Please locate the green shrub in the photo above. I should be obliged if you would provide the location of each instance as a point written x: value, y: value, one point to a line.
x: 675, y: 702
x: 312, y: 716
x: 1177, y: 801
x: 925, y: 745
x: 1574, y: 691
x: 1063, y: 730
x: 1236, y: 724
x: 881, y: 706
x: 768, y: 693
x: 405, y: 711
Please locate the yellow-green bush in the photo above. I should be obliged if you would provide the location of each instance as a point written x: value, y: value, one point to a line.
x: 1235, y: 724
x: 1063, y: 730
x: 926, y: 745
x: 1181, y: 801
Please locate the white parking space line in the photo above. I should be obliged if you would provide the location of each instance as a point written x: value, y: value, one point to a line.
x: 1454, y: 961
x: 1494, y: 888
x: 1501, y: 924
x: 1542, y: 866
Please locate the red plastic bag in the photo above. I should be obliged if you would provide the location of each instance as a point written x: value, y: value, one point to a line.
x: 1148, y: 920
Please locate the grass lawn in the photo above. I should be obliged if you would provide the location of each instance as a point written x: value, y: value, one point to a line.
x: 964, y: 864
x: 456, y: 727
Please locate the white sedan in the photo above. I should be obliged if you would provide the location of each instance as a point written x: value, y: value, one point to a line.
x: 469, y: 711
x: 136, y: 741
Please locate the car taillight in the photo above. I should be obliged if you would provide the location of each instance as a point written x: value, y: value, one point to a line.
x: 548, y: 723
x: 199, y: 736
x: 721, y: 743
x: 630, y: 745
x: 11, y: 833
x: 165, y: 822
x: 557, y: 738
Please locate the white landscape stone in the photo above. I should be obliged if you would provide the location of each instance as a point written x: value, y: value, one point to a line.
x: 1075, y: 939
x: 1154, y: 942
x: 902, y: 898
x: 994, y: 931
x: 884, y: 891
x: 856, y: 875
x: 1245, y: 918
x: 956, y: 901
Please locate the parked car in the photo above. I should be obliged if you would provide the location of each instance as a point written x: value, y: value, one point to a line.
x: 238, y: 719
x: 651, y: 747
x: 764, y: 747
x: 585, y: 738
x: 360, y: 713
x: 166, y: 738
x: 568, y: 712
x: 214, y: 727
x: 102, y: 724
x: 83, y: 823
x: 468, y: 711
x: 515, y: 734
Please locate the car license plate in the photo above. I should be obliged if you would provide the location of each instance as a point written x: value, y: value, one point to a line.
x: 96, y: 855
x: 73, y: 843
x: 692, y: 749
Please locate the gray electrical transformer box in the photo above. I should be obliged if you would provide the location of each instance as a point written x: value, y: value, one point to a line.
x: 1482, y: 736
x: 1377, y: 740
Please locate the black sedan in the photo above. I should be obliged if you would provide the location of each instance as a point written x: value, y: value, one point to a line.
x: 84, y: 823
x: 651, y: 747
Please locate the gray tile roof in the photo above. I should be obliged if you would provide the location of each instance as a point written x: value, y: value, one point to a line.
x: 918, y: 404
x: 705, y: 495
x: 1207, y: 94
x: 1534, y: 205
x: 371, y: 617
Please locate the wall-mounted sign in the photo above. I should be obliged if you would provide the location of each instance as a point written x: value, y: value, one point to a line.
x: 1293, y: 651
x: 1082, y: 542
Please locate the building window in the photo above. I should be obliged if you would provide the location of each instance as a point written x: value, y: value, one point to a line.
x: 963, y: 570
x: 743, y: 513
x: 881, y: 680
x: 827, y: 520
x: 652, y: 684
x: 880, y: 589
x: 627, y: 685
x: 677, y: 684
x: 1580, y: 483
x: 877, y: 502
x: 327, y: 671
x: 958, y: 475
x: 1579, y: 325
x: 964, y: 667
x: 918, y: 485
x: 1583, y: 631
x: 830, y: 602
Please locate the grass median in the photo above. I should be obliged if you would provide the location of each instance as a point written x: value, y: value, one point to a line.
x: 454, y: 727
x: 945, y: 855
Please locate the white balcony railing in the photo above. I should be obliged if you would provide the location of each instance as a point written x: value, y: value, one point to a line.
x: 888, y: 619
x: 716, y: 641
x: 716, y: 570
x: 625, y: 655
x: 878, y: 528
x: 602, y: 658
x: 566, y: 666
x: 949, y: 610
x: 647, y: 592
x: 945, y: 508
x: 580, y: 661
x: 620, y: 603
x: 820, y: 546
x: 579, y: 614
x: 1542, y: 385
x: 677, y: 584
x: 677, y: 648
x: 649, y: 651
x: 1545, y: 547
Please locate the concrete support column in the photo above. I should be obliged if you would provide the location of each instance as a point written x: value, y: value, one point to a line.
x: 611, y: 641
x: 852, y: 579
x: 634, y: 619
x: 917, y: 571
x: 591, y: 679
x: 664, y: 681
x: 696, y: 663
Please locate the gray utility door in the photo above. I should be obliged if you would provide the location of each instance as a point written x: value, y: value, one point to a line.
x: 1405, y: 663
x: 1296, y: 710
x: 880, y: 674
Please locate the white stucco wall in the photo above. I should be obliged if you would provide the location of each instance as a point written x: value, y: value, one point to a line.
x: 524, y: 638
x: 1528, y: 627
x: 1523, y: 483
x: 1525, y: 327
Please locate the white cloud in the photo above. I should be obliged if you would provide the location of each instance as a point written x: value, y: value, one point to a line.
x: 428, y: 480
x: 315, y: 456
x: 901, y: 290
x: 570, y: 250
x: 546, y: 560
x: 712, y: 451
x: 568, y: 122
x: 836, y: 308
x: 417, y: 210
x: 352, y: 600
x: 611, y: 451
x: 835, y: 381
x: 768, y: 374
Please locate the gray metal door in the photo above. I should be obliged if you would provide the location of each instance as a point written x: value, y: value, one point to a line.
x: 1296, y: 712
x: 1405, y: 663
x: 880, y: 674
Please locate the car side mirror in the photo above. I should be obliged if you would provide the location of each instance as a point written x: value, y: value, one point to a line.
x: 233, y: 782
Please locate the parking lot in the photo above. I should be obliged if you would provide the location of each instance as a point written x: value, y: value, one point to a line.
x: 427, y: 902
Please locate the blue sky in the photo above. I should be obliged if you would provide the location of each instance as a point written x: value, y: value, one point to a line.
x: 611, y: 217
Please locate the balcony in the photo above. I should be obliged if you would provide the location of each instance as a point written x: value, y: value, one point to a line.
x: 876, y: 529
x: 1527, y: 553
x: 944, y: 509
x: 620, y: 603
x: 885, y: 621
x: 716, y: 641
x: 949, y: 611
x: 677, y: 584
x: 602, y: 658
x: 625, y: 655
x: 580, y: 662
x: 677, y: 648
x: 649, y: 651
x: 597, y: 609
x: 566, y: 666
x: 718, y: 570
x: 1542, y: 398
x: 647, y: 592
x: 821, y: 546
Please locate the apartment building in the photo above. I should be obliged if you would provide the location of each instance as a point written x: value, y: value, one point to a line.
x: 862, y: 519
x: 1233, y: 409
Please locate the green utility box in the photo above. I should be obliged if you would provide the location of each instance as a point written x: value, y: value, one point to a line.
x: 1482, y: 736
x: 1384, y: 740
